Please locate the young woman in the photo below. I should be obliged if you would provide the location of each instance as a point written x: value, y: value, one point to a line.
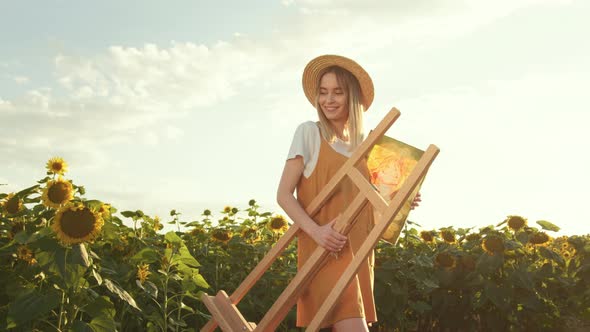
x: 340, y: 90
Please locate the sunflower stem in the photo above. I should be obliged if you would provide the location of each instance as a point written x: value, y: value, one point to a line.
x: 166, y: 299
x: 216, y: 272
x: 61, y: 310
x: 178, y: 317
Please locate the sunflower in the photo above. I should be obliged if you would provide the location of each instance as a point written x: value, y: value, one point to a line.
x: 426, y: 236
x: 143, y: 271
x: 539, y: 238
x: 57, y: 192
x: 25, y: 254
x: 516, y: 222
x: 104, y: 210
x: 278, y: 224
x: 221, y: 235
x: 493, y: 244
x: 473, y: 237
x: 250, y: 234
x: 446, y: 260
x: 448, y: 235
x: 12, y: 204
x: 57, y: 165
x: 198, y: 230
x: 248, y: 231
x: 566, y: 254
x: 157, y: 224
x: 76, y: 223
x: 227, y: 209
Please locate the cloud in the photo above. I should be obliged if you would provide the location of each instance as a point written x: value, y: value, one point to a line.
x: 20, y: 80
x: 128, y: 95
x: 126, y: 89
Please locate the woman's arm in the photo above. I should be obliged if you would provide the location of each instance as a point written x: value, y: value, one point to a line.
x: 325, y: 235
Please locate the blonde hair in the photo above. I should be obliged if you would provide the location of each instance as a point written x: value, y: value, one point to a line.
x: 349, y: 83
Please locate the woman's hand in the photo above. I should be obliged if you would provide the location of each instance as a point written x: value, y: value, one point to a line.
x: 416, y: 201
x: 327, y: 237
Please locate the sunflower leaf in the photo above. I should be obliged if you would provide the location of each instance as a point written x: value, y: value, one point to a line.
x: 80, y: 255
x: 97, y: 277
x: 146, y: 255
x: 187, y: 258
x: 171, y: 237
x: 23, y: 193
x: 200, y: 281
x: 548, y: 226
x: 121, y: 293
x: 103, y: 323
x: 151, y: 289
x: 128, y: 214
x: 80, y: 326
x: 100, y: 306
x: 31, y: 306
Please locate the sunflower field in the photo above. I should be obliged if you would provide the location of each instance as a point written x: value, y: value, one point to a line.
x: 71, y: 263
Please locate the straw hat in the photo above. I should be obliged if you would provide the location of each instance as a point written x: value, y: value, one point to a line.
x: 315, y: 66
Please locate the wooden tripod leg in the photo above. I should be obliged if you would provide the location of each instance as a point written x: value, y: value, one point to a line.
x: 395, y: 206
x: 257, y: 273
x: 289, y: 296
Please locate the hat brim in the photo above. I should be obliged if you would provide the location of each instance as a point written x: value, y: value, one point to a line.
x: 316, y: 66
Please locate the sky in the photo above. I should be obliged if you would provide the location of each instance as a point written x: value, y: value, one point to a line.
x: 192, y: 105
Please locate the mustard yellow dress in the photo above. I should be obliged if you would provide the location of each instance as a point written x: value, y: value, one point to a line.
x: 357, y: 300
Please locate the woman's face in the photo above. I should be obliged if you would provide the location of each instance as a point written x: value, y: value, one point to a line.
x: 333, y: 99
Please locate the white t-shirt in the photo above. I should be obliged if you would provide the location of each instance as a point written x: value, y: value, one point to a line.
x: 306, y: 143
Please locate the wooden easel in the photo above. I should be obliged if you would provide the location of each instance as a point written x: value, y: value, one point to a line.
x: 223, y: 307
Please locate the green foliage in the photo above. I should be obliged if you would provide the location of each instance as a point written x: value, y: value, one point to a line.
x: 139, y: 279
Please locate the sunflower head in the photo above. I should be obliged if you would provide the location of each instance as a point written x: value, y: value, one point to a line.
x: 516, y: 222
x: 157, y: 223
x: 57, y: 165
x: 539, y: 238
x: 445, y: 260
x: 104, y: 210
x: 278, y: 224
x: 25, y: 254
x: 248, y: 231
x: 57, y: 193
x: 198, y: 230
x: 12, y: 204
x: 448, y: 235
x: 76, y: 223
x: 426, y: 236
x: 493, y: 244
x: 566, y: 254
x: 227, y: 209
x: 250, y: 234
x: 221, y: 235
x: 143, y: 271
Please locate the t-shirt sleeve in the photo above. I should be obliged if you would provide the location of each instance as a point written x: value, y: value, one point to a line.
x: 305, y: 144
